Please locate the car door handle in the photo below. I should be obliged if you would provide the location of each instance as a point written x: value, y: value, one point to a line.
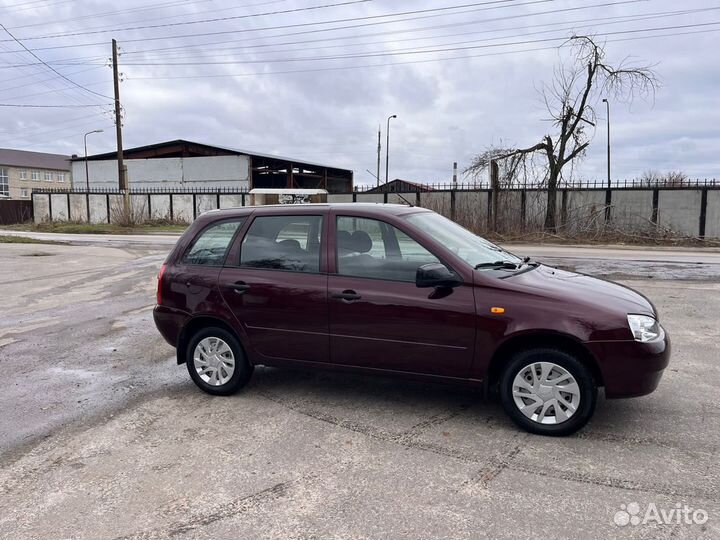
x: 347, y: 295
x: 240, y: 287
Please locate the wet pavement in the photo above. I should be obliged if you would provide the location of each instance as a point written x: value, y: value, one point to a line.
x: 103, y: 436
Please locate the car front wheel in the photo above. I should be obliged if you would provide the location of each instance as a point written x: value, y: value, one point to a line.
x: 548, y: 392
x: 216, y: 362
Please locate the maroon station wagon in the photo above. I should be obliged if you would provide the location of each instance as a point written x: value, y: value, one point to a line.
x: 392, y: 289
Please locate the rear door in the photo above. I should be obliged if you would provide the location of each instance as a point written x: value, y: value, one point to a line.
x: 277, y: 287
x: 379, y: 318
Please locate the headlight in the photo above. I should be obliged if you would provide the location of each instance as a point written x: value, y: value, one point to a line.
x: 644, y: 328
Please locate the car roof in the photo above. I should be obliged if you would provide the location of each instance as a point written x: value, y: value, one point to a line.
x: 380, y: 209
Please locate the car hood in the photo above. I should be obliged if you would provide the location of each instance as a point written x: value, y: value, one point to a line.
x: 571, y: 286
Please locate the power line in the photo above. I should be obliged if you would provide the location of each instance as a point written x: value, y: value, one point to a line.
x: 217, y: 19
x: 391, y: 64
x: 31, y: 106
x: 390, y: 32
x: 409, y: 52
x: 352, y: 27
x: 602, y: 20
x: 117, y: 12
x: 52, y: 68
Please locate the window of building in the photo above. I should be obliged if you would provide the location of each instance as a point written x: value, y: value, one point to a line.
x: 48, y: 176
x: 60, y: 177
x: 25, y: 193
x: 211, y: 246
x: 4, y: 184
x: 283, y: 243
x: 36, y: 176
x: 23, y: 175
x: 374, y: 249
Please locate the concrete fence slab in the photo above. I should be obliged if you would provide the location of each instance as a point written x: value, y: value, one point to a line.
x: 98, y: 208
x: 183, y: 208
x: 205, y: 203
x: 471, y: 210
x: 78, y: 207
x: 232, y: 201
x: 370, y: 197
x: 632, y: 208
x: 60, y: 209
x: 41, y: 207
x: 437, y: 202
x: 712, y: 215
x: 340, y: 198
x: 159, y: 207
x: 679, y: 210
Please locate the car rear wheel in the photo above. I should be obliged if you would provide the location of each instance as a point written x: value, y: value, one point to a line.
x: 216, y: 362
x: 548, y: 392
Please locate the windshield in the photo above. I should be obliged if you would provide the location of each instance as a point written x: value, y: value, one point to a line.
x: 466, y: 245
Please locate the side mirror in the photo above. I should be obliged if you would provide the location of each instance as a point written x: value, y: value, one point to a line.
x: 436, y: 275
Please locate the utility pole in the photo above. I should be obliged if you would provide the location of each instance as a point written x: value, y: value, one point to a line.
x: 377, y: 176
x: 122, y: 172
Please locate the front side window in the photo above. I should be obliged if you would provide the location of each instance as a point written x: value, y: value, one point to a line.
x: 210, y: 248
x: 4, y: 184
x: 283, y: 243
x: 374, y: 249
x: 48, y: 176
x: 24, y: 193
x: 36, y: 175
x: 61, y: 177
x: 23, y: 175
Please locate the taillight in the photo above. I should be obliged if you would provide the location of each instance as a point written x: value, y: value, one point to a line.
x: 160, y: 283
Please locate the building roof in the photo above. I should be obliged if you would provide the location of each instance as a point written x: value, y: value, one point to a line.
x: 34, y: 160
x: 185, y: 148
x: 399, y: 185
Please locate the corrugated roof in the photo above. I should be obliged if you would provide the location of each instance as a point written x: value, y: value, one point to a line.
x: 236, y: 151
x: 34, y: 160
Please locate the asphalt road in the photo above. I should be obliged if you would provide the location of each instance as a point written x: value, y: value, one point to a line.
x: 104, y: 436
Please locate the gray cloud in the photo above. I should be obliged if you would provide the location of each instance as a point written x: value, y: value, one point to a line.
x: 448, y: 109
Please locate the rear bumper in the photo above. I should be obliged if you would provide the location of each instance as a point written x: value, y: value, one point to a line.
x: 631, y: 368
x: 170, y: 323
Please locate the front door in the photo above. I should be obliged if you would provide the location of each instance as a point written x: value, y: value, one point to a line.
x: 380, y: 319
x: 277, y: 289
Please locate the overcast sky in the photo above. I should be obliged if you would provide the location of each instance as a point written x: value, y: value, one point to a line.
x: 459, y: 79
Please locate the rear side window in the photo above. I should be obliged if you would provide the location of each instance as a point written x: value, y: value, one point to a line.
x: 283, y: 243
x: 210, y: 248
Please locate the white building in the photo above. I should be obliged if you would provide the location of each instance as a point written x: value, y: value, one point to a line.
x: 180, y: 164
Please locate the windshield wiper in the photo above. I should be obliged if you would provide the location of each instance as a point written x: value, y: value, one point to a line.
x: 498, y: 264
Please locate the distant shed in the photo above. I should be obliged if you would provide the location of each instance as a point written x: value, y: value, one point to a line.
x: 185, y: 164
x: 400, y: 186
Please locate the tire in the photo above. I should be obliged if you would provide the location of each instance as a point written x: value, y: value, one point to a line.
x: 565, y: 407
x: 217, y: 376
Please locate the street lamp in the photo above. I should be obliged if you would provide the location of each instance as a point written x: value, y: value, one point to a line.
x: 607, y: 107
x: 87, y: 175
x: 387, y: 148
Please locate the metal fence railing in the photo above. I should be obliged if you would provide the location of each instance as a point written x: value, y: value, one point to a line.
x: 579, y: 184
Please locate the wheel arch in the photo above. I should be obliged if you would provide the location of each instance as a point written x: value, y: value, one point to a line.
x: 198, y: 323
x: 536, y: 340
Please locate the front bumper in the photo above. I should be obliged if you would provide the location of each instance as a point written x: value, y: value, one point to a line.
x: 631, y: 368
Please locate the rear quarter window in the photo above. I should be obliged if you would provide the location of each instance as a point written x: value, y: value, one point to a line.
x: 210, y: 247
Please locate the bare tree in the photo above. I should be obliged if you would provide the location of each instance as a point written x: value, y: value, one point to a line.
x: 668, y: 179
x: 570, y: 100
